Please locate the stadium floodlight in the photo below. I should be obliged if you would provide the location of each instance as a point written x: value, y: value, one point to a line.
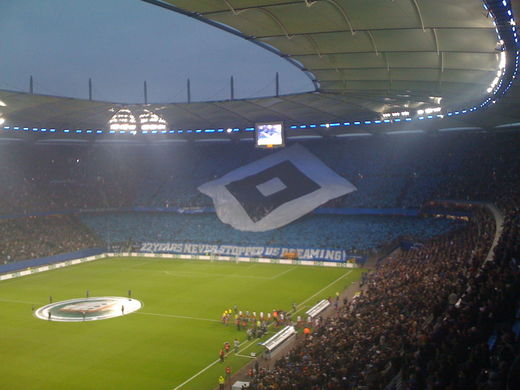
x: 429, y: 111
x: 150, y: 121
x: 2, y: 103
x: 2, y: 120
x: 500, y: 72
x: 123, y: 120
x: 396, y: 114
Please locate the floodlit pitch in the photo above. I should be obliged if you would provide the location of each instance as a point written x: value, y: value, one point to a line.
x: 171, y: 342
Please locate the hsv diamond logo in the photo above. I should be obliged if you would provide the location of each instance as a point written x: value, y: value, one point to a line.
x: 88, y: 309
x: 274, y: 191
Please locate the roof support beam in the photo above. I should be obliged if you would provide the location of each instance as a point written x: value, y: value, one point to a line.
x: 376, y: 29
x: 263, y: 10
x: 313, y: 43
x: 375, y: 98
x: 395, y: 51
x: 387, y: 67
x: 441, y: 69
x: 418, y: 10
x: 276, y: 20
x: 373, y: 41
x: 436, y: 39
x: 309, y: 3
x: 231, y: 7
x: 344, y: 14
x: 483, y: 83
x: 385, y: 57
x: 388, y: 71
x: 238, y: 9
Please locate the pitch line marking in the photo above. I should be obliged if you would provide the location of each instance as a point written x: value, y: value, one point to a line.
x: 205, y: 369
x: 206, y: 274
x: 197, y: 374
x: 300, y: 306
x: 326, y: 287
x: 282, y: 273
x: 249, y: 357
x: 202, y: 274
x: 177, y: 316
x: 15, y: 301
x: 248, y: 344
x: 216, y: 361
x: 138, y: 264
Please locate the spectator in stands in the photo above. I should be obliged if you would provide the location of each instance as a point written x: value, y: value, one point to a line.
x: 34, y: 237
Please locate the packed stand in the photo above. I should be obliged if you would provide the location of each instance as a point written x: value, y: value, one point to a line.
x: 370, y: 339
x: 389, y: 171
x: 356, y: 234
x: 45, y: 178
x: 474, y: 343
x: 35, y: 237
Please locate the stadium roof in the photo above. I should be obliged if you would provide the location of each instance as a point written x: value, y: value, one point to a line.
x: 366, y: 58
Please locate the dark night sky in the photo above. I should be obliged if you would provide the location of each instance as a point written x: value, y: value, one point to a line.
x: 121, y: 43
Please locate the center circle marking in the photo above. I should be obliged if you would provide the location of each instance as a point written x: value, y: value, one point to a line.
x: 88, y: 309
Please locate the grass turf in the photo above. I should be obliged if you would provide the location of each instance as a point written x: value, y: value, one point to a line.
x: 173, y: 337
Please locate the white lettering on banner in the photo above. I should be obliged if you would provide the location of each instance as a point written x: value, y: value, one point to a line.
x: 272, y: 251
x: 336, y: 255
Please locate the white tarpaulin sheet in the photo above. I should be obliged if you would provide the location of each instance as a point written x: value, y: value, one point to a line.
x: 275, y: 190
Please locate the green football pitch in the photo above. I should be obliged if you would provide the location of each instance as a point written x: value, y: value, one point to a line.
x: 172, y: 342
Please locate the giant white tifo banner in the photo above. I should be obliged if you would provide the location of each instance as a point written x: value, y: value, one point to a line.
x: 275, y: 190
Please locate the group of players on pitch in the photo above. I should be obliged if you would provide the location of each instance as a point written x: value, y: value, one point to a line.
x: 256, y: 323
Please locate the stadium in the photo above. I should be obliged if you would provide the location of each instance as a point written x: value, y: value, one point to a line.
x: 361, y: 233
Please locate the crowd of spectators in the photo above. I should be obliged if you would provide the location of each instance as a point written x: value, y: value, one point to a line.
x: 35, y: 237
x: 388, y: 328
x: 474, y: 343
x: 389, y: 171
x: 439, y: 316
x: 355, y: 234
x: 50, y: 178
x: 402, y: 173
